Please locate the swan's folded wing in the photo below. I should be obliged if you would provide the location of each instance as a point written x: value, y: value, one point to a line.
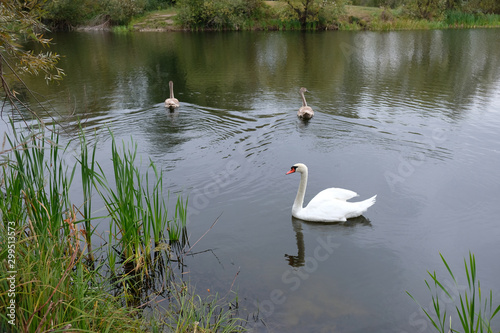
x: 325, y: 208
x: 337, y: 193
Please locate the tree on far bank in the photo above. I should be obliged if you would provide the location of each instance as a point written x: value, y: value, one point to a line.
x: 324, y: 12
x: 426, y: 9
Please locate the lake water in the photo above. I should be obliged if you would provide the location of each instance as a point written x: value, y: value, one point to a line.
x: 413, y: 117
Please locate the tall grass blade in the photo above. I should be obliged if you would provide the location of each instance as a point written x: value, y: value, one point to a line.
x: 448, y: 268
x: 88, y: 177
x: 473, y: 316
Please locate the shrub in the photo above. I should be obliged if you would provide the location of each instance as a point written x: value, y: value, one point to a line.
x: 216, y: 14
x: 426, y: 9
x: 122, y: 11
x: 316, y: 13
x: 67, y: 14
x: 482, y: 6
x: 331, y: 11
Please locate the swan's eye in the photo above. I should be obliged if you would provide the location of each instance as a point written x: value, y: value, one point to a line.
x: 294, y: 168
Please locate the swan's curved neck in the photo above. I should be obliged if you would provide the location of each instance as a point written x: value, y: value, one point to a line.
x: 171, y: 85
x: 304, y: 103
x: 299, y: 199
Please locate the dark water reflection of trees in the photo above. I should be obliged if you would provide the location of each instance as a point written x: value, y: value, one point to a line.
x: 230, y: 70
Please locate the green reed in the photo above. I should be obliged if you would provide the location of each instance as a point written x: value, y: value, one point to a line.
x: 138, y: 210
x: 466, y: 20
x: 56, y: 288
x: 88, y: 175
x: 40, y: 181
x: 474, y: 311
x: 188, y: 312
x: 155, y: 212
x: 124, y: 205
x: 177, y: 226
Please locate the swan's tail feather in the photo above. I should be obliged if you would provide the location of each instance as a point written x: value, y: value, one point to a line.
x: 361, y: 207
x: 365, y: 204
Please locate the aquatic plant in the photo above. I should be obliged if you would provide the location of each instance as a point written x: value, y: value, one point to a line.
x: 475, y: 316
x: 44, y: 277
x: 195, y: 314
x: 87, y: 168
x: 138, y: 210
x: 455, y: 18
x: 46, y: 272
x: 40, y: 182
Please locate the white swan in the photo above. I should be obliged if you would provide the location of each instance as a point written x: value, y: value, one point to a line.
x: 305, y: 112
x: 329, y: 205
x: 171, y: 102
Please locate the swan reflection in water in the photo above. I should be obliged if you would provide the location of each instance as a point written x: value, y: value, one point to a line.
x: 299, y: 259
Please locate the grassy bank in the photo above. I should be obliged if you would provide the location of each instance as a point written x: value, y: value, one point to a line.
x: 383, y: 19
x: 353, y: 18
x: 53, y: 279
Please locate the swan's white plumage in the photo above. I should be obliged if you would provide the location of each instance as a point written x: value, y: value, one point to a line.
x: 329, y: 205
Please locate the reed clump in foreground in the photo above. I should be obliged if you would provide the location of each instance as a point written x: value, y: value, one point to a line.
x: 53, y: 279
x: 474, y: 311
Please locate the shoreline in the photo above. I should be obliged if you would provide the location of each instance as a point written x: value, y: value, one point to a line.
x: 356, y: 18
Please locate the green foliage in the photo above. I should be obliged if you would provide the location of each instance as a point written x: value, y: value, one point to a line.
x: 473, y: 315
x: 426, y: 9
x: 216, y: 14
x: 158, y: 4
x: 457, y: 18
x: 379, y: 3
x: 201, y: 315
x: 67, y: 14
x: 44, y: 268
x: 122, y: 11
x: 20, y: 23
x: 54, y: 289
x: 330, y: 13
x: 481, y: 6
x: 317, y: 13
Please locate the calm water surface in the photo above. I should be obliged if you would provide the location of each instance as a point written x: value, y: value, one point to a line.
x: 413, y: 117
